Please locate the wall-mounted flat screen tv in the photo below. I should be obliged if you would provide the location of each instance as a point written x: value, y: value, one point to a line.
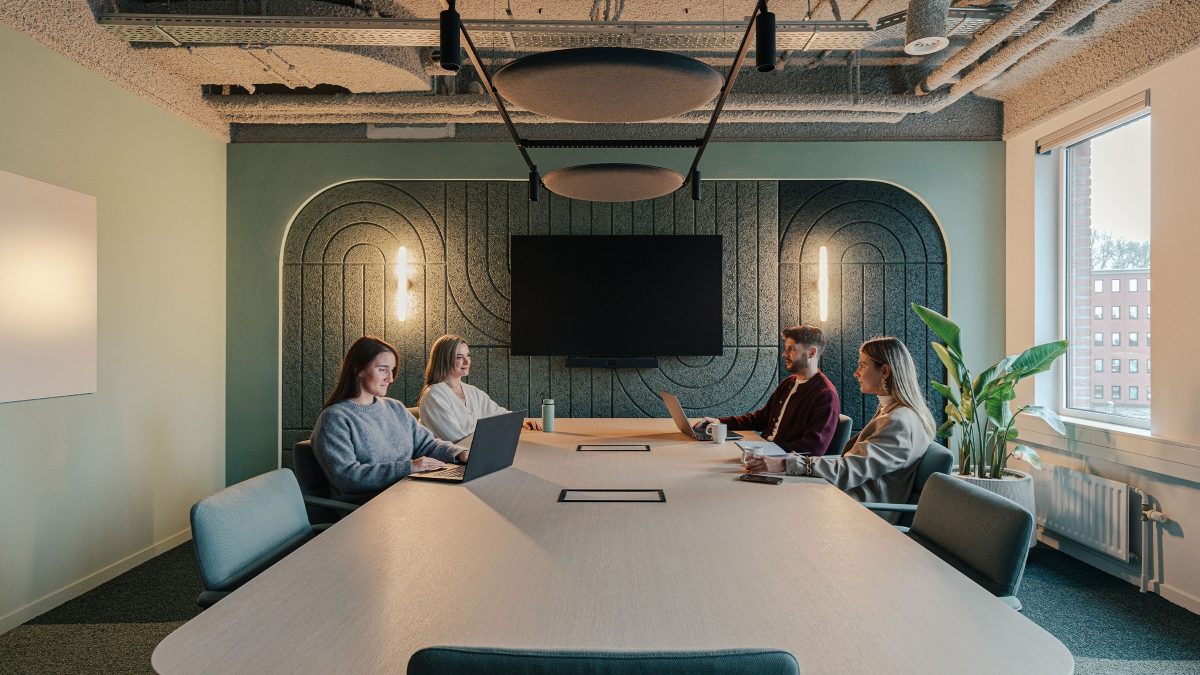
x: 616, y: 296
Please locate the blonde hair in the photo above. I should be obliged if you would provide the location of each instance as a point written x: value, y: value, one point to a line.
x: 905, y: 388
x: 441, y: 360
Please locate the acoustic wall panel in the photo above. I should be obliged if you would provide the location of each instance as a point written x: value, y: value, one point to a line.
x: 339, y: 282
x: 885, y: 251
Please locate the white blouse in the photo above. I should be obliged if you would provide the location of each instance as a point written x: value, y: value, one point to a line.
x: 445, y: 414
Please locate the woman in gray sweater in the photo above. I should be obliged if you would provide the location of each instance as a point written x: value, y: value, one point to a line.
x: 366, y: 441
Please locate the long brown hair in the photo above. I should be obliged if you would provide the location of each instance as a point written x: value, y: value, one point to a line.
x: 358, y: 357
x: 441, y: 360
x: 905, y: 388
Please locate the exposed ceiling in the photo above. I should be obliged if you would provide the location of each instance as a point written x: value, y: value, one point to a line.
x: 354, y: 70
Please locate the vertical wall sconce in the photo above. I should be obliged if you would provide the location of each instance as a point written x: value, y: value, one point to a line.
x: 402, y: 283
x: 823, y: 283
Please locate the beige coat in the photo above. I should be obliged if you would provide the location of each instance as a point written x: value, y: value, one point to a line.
x: 881, y: 464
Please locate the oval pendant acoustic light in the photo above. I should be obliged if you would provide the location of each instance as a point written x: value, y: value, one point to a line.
x: 612, y: 182
x: 608, y: 84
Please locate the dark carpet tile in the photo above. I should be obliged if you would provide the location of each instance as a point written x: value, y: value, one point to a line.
x: 159, y: 590
x: 1097, y: 615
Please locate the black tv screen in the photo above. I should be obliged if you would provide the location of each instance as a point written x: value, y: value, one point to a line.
x: 616, y: 296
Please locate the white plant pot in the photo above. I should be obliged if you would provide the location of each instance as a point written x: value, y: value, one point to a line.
x: 1017, y: 487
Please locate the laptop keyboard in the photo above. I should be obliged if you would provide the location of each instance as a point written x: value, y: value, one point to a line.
x: 456, y: 471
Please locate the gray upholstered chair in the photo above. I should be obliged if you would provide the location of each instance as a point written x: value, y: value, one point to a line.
x: 981, y: 534
x: 841, y: 436
x: 488, y: 661
x: 314, y: 485
x: 937, y: 459
x: 245, y: 528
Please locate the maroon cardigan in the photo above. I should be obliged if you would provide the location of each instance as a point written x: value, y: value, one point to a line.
x: 810, y: 420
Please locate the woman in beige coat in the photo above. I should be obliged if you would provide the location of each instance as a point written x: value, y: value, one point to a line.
x: 881, y: 464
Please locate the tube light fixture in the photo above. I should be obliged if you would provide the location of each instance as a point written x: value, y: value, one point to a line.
x: 823, y: 283
x: 402, y: 283
x: 764, y: 41
x: 448, y: 43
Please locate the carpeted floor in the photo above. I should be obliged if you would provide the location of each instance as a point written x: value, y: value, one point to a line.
x: 1105, y: 622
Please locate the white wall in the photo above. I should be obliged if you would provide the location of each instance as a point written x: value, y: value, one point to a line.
x: 1164, y: 462
x: 92, y: 484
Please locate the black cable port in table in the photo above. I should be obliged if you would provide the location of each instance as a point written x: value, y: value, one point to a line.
x: 614, y: 495
x: 613, y: 447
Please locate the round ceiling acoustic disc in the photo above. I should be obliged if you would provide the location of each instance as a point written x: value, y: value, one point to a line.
x: 608, y: 84
x: 612, y: 182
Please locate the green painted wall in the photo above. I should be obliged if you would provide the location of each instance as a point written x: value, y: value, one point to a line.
x: 91, y: 484
x: 962, y: 184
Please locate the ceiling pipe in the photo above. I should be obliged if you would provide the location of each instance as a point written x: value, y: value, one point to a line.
x: 385, y: 117
x: 984, y: 41
x: 925, y: 27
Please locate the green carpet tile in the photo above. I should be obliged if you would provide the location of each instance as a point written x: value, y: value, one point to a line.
x: 1107, y: 624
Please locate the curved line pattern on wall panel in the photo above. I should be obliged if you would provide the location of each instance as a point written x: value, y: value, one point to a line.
x: 339, y: 282
x: 885, y: 251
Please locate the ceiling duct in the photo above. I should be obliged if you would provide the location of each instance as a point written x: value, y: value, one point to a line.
x: 925, y: 27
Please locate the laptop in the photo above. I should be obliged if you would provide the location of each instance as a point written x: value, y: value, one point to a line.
x: 682, y: 422
x: 492, y: 449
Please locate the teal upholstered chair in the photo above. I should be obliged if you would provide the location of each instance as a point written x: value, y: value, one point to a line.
x: 487, y: 661
x: 841, y: 436
x: 245, y: 528
x: 981, y: 534
x: 314, y: 485
x: 937, y: 459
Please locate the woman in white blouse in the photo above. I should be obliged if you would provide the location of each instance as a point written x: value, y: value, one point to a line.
x: 450, y: 407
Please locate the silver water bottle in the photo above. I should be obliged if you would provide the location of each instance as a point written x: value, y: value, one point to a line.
x: 548, y: 415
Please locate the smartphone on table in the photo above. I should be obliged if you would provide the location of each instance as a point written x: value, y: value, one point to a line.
x: 760, y: 478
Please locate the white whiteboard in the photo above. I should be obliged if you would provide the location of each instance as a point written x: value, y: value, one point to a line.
x: 47, y: 290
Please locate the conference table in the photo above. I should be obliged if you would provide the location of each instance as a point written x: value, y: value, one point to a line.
x: 718, y: 563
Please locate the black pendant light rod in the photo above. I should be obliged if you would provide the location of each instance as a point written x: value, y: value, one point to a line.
x: 491, y: 90
x: 759, y: 8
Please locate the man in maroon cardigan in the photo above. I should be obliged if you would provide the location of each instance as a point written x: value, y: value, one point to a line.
x: 802, y: 415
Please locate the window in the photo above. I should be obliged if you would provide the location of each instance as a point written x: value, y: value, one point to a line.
x: 1098, y: 391
x: 1147, y: 372
x: 1133, y: 392
x: 1098, y: 366
x: 1106, y: 227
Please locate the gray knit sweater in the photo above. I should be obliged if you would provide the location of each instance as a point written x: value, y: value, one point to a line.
x: 364, y: 449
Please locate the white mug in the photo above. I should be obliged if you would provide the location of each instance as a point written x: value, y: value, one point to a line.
x: 718, y: 432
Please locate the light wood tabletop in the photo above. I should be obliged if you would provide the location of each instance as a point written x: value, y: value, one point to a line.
x: 722, y: 563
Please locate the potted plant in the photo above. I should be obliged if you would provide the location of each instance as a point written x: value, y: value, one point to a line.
x: 978, y: 409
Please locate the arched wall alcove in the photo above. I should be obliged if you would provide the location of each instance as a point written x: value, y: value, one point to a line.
x: 339, y: 282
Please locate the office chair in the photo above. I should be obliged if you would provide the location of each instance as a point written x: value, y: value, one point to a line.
x: 937, y: 459
x: 314, y: 485
x: 841, y: 436
x: 245, y: 528
x: 979, y: 533
x: 489, y: 661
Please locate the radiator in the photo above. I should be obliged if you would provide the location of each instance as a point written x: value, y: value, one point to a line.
x: 1091, y: 510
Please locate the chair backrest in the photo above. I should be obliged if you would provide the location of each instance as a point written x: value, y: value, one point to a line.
x: 841, y: 436
x: 241, y: 529
x: 983, y: 535
x: 309, y: 473
x: 485, y: 661
x: 937, y: 459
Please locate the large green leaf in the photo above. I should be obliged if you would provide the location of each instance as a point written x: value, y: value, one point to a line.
x: 950, y: 393
x: 998, y: 411
x: 1039, y: 358
x: 951, y: 363
x: 1028, y: 454
x: 1048, y: 416
x: 943, y: 327
x: 946, y: 429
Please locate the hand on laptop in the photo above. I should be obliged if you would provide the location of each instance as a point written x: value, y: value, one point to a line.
x: 461, y: 457
x: 421, y: 464
x: 532, y: 424
x: 704, y: 422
